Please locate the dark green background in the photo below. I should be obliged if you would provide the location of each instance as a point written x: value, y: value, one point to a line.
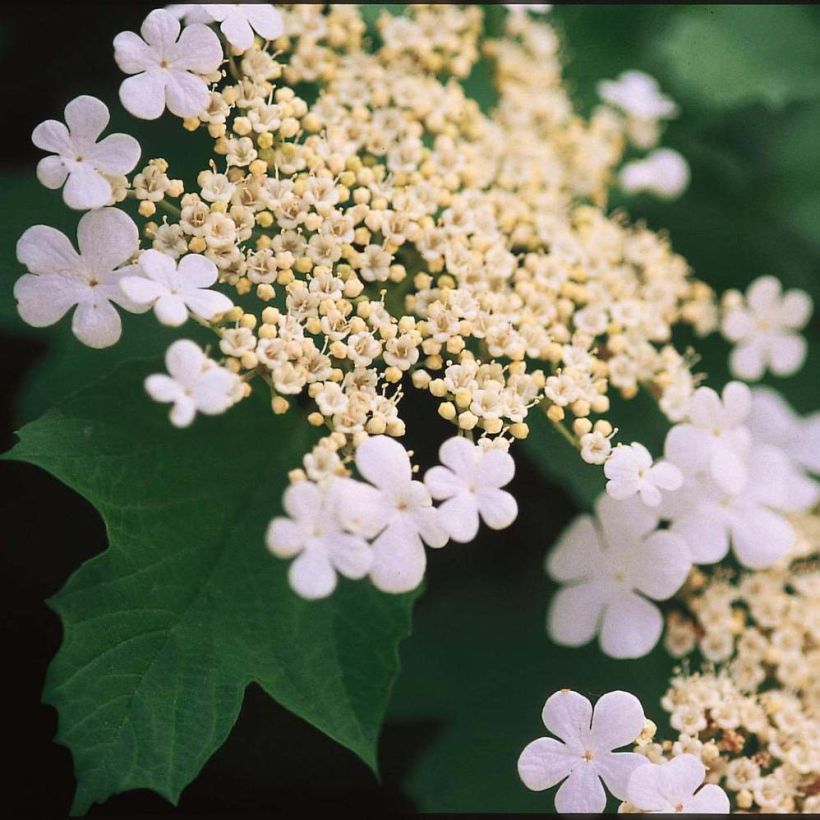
x: 479, y: 666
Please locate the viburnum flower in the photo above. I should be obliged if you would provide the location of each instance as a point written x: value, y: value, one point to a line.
x: 166, y: 65
x: 82, y: 163
x: 638, y: 95
x: 709, y: 518
x: 630, y: 470
x: 763, y: 330
x: 584, y: 756
x: 672, y: 787
x: 470, y: 482
x: 174, y: 289
x: 396, y: 510
x: 614, y: 565
x: 714, y: 439
x: 664, y: 173
x: 196, y: 384
x: 238, y: 21
x: 60, y: 278
x: 312, y: 533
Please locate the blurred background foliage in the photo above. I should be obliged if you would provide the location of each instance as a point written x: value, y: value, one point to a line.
x: 479, y: 666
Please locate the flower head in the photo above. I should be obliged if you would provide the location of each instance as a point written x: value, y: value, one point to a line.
x: 238, y: 21
x: 80, y: 161
x: 173, y: 289
x: 470, y: 482
x: 312, y: 533
x: 195, y: 384
x: 630, y: 470
x: 673, y: 787
x: 638, y: 95
x: 60, y: 278
x: 583, y: 756
x: 664, y: 173
x: 166, y: 66
x: 763, y: 329
x: 614, y: 565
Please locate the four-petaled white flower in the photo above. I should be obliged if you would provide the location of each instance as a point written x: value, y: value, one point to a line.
x: 166, y: 65
x: 630, y: 471
x: 763, y: 330
x: 471, y: 481
x: 313, y: 534
x: 709, y: 518
x: 61, y: 278
x: 611, y: 564
x: 174, y: 289
x: 715, y: 439
x: 586, y: 756
x: 664, y: 173
x: 196, y: 384
x: 81, y: 162
x: 396, y: 510
x: 638, y: 95
x: 671, y: 788
x: 240, y: 20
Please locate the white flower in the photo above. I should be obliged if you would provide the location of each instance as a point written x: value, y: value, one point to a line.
x: 81, y: 162
x: 638, y: 95
x: 763, y: 330
x: 240, y: 20
x: 397, y: 511
x: 670, y: 788
x: 709, y: 518
x: 166, y: 69
x: 61, y: 278
x: 595, y: 447
x: 470, y: 481
x: 630, y: 471
x: 714, y: 439
x: 612, y: 563
x: 664, y: 173
x: 196, y: 384
x: 312, y: 532
x: 174, y: 289
x: 586, y: 756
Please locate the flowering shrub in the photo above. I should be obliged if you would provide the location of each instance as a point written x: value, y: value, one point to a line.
x: 363, y: 228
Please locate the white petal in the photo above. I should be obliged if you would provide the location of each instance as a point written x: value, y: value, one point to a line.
x: 184, y: 360
x: 496, y: 469
x: 616, y: 770
x: 631, y: 626
x: 52, y: 135
x: 763, y: 294
x: 51, y: 172
x: 383, y: 462
x: 443, y: 482
x: 666, y: 476
x: 737, y: 404
x: 351, y: 555
x: 198, y: 50
x: 663, y: 565
x: 45, y: 299
x: 425, y: 520
x: 283, y: 538
x: 787, y: 354
x: 214, y: 391
x: 645, y: 791
x: 86, y: 118
x: 760, y: 537
x: 170, y: 310
x: 746, y: 361
x: 682, y: 776
x: 497, y: 507
x: 711, y: 799
x: 705, y: 533
x: 361, y: 509
x: 795, y: 309
x: 617, y: 721
x: 705, y: 408
x: 771, y: 420
x: 159, y: 267
x: 162, y: 388
x: 185, y: 94
x: 728, y: 469
x: 46, y: 250
x: 207, y: 303
x: 568, y: 716
x: 460, y: 455
x: 132, y: 54
x: 141, y: 290
x: 116, y: 154
x: 575, y: 611
x: 183, y: 412
x: 237, y: 30
x: 86, y: 189
x: 737, y: 324
x: 312, y: 576
x: 578, y: 551
x: 197, y: 271
x: 97, y: 324
x: 650, y: 494
x: 581, y: 792
x: 624, y: 520
x: 459, y: 517
x: 687, y: 447
x: 143, y: 95
x: 265, y: 18
x: 545, y: 762
x: 399, y: 560
x: 160, y: 29
x: 106, y: 239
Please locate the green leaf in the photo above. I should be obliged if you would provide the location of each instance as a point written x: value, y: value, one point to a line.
x: 165, y: 629
x: 729, y: 56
